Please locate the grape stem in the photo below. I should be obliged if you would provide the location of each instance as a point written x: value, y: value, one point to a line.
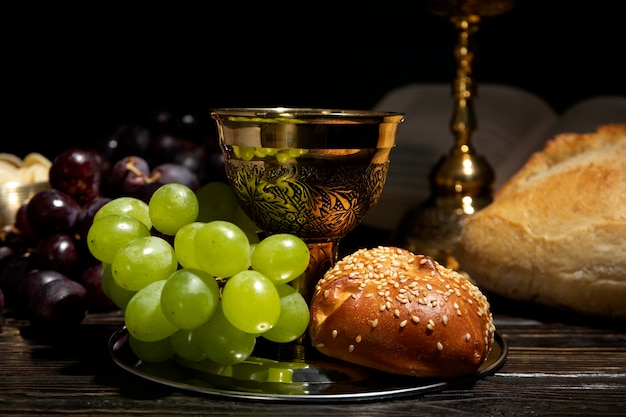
x: 130, y: 165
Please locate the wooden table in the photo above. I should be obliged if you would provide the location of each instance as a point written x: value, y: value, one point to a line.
x: 557, y: 364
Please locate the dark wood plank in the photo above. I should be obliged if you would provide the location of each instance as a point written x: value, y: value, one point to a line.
x: 555, y: 366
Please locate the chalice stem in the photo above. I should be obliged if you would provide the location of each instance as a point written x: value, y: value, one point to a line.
x: 323, y: 257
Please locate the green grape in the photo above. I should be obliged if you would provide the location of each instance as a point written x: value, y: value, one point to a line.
x: 244, y: 152
x: 246, y: 224
x: 106, y: 279
x: 217, y: 202
x: 281, y: 257
x: 189, y: 298
x: 172, y: 206
x: 110, y: 233
x: 143, y: 316
x: 294, y: 316
x: 131, y: 206
x: 222, y: 342
x: 283, y: 157
x: 251, y: 302
x: 117, y: 294
x: 222, y: 249
x: 184, y: 245
x: 154, y: 352
x: 297, y: 152
x: 187, y: 346
x: 263, y: 152
x: 143, y: 261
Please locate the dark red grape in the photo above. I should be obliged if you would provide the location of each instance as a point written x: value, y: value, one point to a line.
x: 164, y: 147
x: 12, y: 275
x: 58, y: 305
x: 22, y: 224
x: 6, y: 254
x: 52, y: 211
x: 104, y: 163
x: 186, y: 125
x: 127, y: 174
x: 91, y: 279
x: 58, y: 252
x: 145, y: 192
x: 171, y: 172
x: 196, y: 160
x: 216, y: 166
x: 32, y: 282
x: 77, y: 172
x: 127, y: 139
x: 85, y: 217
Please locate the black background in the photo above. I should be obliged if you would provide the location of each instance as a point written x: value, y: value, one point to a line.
x: 71, y: 73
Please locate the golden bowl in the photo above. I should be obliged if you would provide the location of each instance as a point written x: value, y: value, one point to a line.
x: 13, y: 195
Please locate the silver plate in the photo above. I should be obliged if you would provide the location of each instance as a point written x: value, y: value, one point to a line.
x: 319, y: 379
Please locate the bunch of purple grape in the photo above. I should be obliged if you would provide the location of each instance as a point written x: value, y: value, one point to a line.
x: 46, y: 269
x: 173, y: 145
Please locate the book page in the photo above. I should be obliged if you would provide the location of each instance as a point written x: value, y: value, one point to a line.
x: 586, y: 115
x: 511, y: 125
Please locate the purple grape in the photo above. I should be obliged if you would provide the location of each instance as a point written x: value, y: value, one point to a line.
x: 103, y: 162
x: 128, y: 139
x: 127, y: 174
x: 145, y: 192
x: 12, y: 275
x: 86, y: 215
x: 216, y: 166
x: 32, y: 282
x: 58, y: 252
x: 77, y: 172
x: 52, y: 211
x: 171, y: 172
x: 22, y: 224
x: 91, y: 279
x: 58, y: 305
x: 184, y: 125
x: 6, y: 254
x: 196, y: 159
x: 164, y: 147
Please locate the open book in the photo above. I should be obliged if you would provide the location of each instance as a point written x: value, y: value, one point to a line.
x: 511, y: 125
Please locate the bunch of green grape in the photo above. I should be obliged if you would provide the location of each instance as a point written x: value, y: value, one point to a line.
x: 193, y: 277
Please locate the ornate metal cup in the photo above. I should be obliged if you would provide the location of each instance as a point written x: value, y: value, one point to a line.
x: 314, y: 173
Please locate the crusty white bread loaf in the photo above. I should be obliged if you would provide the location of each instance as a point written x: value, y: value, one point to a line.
x: 389, y: 309
x: 555, y: 233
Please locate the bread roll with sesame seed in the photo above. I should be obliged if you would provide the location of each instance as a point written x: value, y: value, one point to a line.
x: 389, y: 309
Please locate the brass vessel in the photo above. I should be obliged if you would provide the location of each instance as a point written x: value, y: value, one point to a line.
x: 314, y: 173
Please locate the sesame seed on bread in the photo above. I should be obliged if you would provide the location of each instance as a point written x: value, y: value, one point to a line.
x: 389, y: 309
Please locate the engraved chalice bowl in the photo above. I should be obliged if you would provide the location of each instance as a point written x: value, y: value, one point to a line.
x: 314, y: 173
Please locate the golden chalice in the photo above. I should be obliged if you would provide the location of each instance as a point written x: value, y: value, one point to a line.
x: 314, y: 173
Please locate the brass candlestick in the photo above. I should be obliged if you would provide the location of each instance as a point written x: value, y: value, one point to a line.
x: 461, y: 182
